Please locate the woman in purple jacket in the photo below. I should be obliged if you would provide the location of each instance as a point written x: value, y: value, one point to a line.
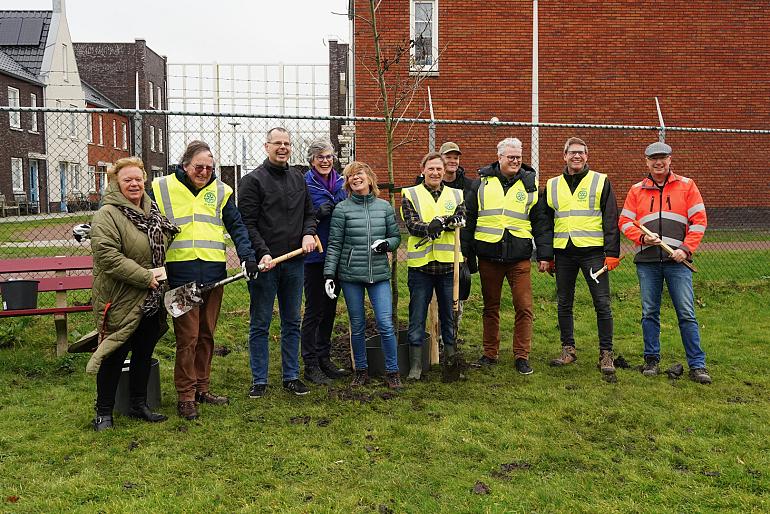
x: 325, y: 187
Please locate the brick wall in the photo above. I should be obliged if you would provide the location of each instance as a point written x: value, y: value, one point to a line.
x: 604, y: 62
x: 18, y: 143
x: 338, y: 66
x: 112, y: 68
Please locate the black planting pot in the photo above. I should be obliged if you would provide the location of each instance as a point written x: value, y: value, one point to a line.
x: 376, y: 358
x: 122, y: 400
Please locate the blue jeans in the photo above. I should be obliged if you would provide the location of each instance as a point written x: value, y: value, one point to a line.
x: 380, y: 296
x: 421, y: 286
x: 285, y: 280
x: 679, y: 280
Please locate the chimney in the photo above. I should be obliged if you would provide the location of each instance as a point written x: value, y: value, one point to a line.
x: 58, y: 6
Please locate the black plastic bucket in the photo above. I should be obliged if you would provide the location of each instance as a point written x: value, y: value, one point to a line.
x: 122, y: 398
x: 19, y: 294
x: 376, y: 358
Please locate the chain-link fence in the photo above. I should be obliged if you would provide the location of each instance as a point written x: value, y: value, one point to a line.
x: 52, y: 178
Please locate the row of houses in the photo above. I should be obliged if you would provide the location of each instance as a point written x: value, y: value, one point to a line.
x: 56, y: 161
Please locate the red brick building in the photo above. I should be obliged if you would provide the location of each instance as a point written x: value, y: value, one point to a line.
x: 597, y: 63
x: 109, y: 139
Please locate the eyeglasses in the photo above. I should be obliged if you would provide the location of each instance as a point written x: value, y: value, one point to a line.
x: 325, y: 157
x: 287, y: 144
x: 573, y: 153
x: 201, y: 167
x: 513, y: 158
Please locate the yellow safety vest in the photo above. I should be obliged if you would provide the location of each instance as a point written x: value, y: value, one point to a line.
x: 199, y: 216
x: 499, y: 211
x: 441, y: 249
x: 577, y: 216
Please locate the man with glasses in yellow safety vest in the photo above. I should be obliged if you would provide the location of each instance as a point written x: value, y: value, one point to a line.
x: 583, y: 212
x: 203, y: 206
x: 503, y: 217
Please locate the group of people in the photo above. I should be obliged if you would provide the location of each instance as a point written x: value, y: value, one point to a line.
x: 145, y: 242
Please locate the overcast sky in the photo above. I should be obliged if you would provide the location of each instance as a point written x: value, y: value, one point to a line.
x: 202, y: 31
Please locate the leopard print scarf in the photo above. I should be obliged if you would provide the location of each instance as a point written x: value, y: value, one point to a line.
x: 154, y: 226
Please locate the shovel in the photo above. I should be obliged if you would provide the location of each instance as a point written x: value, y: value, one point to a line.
x: 182, y: 299
x: 454, y: 365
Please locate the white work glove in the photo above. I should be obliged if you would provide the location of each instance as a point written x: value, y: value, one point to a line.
x: 329, y: 286
x: 380, y: 246
x: 455, y: 221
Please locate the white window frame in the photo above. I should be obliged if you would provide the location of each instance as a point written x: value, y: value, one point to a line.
x: 160, y: 140
x: 59, y: 121
x: 17, y: 174
x: 33, y: 103
x: 433, y: 66
x: 14, y: 118
x: 159, y: 97
x: 152, y: 138
x: 90, y: 129
x: 152, y: 95
x: 65, y: 62
x: 101, y: 129
x: 115, y: 134
x: 124, y: 126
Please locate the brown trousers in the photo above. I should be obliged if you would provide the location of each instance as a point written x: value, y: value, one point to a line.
x: 518, y: 276
x: 194, y: 332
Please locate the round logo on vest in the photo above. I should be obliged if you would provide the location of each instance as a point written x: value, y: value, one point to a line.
x: 582, y: 194
x: 209, y: 198
x: 520, y: 196
x: 449, y: 205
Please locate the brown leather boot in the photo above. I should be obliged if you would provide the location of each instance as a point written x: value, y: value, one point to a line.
x: 568, y: 356
x: 187, y: 410
x: 360, y: 378
x: 393, y: 380
x: 606, y: 362
x: 213, y: 399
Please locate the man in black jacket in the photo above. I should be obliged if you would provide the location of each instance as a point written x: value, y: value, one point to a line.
x: 454, y: 174
x: 504, y: 214
x: 279, y: 216
x: 582, y: 211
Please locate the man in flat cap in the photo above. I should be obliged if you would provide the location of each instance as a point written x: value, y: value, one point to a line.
x: 454, y: 174
x: 671, y: 208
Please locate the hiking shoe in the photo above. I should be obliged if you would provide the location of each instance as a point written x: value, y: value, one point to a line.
x: 360, y: 378
x: 331, y: 370
x: 606, y: 362
x: 700, y: 375
x: 295, y: 387
x: 484, y: 362
x: 393, y: 380
x: 568, y: 356
x: 523, y: 367
x: 314, y: 375
x: 257, y: 390
x: 650, y: 368
x: 101, y: 423
x: 211, y: 398
x: 187, y: 410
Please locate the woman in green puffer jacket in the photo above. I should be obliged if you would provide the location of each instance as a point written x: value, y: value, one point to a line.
x: 363, y: 229
x: 129, y: 238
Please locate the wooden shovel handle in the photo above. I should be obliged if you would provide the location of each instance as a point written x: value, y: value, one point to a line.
x: 663, y: 245
x: 299, y: 251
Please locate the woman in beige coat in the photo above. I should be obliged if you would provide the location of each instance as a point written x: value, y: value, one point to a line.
x: 129, y: 238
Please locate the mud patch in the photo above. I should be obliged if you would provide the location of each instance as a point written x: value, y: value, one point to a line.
x: 349, y: 394
x: 323, y: 422
x: 221, y: 351
x: 504, y: 473
x: 133, y: 445
x: 299, y: 420
x: 675, y: 371
x: 481, y: 488
x: 621, y: 362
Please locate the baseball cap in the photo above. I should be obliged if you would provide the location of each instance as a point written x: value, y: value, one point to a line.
x: 657, y: 149
x: 449, y: 147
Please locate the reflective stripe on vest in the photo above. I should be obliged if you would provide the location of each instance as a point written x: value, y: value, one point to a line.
x: 499, y: 211
x: 578, y: 215
x: 199, y: 216
x: 441, y: 249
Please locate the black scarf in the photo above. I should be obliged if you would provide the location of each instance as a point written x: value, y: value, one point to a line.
x: 154, y: 226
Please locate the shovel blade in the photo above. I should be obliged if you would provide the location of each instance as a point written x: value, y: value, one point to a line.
x: 182, y: 299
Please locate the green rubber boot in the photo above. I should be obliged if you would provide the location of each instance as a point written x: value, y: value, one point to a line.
x: 415, y: 363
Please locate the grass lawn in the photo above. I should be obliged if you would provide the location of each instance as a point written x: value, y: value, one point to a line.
x: 560, y: 440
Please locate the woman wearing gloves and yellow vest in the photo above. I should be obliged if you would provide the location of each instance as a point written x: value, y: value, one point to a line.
x: 203, y: 207
x: 429, y: 209
x: 584, y: 214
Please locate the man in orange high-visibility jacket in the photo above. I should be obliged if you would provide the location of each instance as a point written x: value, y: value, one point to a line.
x: 672, y: 208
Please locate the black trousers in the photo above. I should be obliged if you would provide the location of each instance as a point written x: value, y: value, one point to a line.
x: 567, y: 267
x: 141, y: 345
x: 318, y: 321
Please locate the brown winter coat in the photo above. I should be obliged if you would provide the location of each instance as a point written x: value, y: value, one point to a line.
x: 122, y: 276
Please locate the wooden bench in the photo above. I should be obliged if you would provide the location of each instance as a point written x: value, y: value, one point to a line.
x: 52, y: 274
